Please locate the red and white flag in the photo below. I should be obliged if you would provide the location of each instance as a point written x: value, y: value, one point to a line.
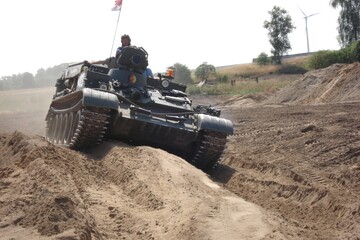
x: 117, y: 6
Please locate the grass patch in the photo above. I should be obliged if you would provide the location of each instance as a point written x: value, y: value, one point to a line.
x: 247, y: 70
x: 241, y: 87
x: 270, y: 78
x: 298, y: 65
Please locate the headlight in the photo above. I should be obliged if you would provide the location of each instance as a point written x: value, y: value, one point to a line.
x: 103, y: 86
x: 165, y: 83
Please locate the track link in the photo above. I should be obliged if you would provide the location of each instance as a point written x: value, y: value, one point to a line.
x: 209, y: 149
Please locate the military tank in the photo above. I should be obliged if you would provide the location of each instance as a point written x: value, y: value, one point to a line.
x: 92, y: 103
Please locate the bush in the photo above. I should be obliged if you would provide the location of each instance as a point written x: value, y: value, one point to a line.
x: 326, y: 58
x: 355, y: 51
x: 193, y: 90
x: 263, y: 59
x: 292, y: 69
x: 322, y: 59
x: 222, y: 78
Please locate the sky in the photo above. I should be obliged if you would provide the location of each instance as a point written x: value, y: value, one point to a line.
x: 43, y: 33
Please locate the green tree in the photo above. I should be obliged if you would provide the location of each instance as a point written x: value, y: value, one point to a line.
x: 263, y: 59
x: 182, y: 74
x: 348, y: 20
x: 279, y: 26
x: 7, y: 82
x: 203, y: 72
x: 41, y: 78
x: 27, y: 80
x: 16, y: 81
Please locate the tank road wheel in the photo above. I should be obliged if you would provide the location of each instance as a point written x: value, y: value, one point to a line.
x: 77, y: 128
x: 208, y: 149
x: 60, y: 139
x: 50, y: 128
x: 57, y: 128
x: 68, y: 133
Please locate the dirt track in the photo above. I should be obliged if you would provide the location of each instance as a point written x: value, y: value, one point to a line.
x: 294, y: 159
x: 302, y: 162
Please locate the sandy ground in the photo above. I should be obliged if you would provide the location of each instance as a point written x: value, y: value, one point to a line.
x: 291, y: 171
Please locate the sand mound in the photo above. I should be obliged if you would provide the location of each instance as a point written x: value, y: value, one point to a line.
x: 248, y: 100
x: 337, y: 83
x: 115, y: 191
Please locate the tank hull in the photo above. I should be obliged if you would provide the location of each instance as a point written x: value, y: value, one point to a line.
x: 117, y: 105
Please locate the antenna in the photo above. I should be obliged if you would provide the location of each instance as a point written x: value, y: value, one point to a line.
x: 306, y: 27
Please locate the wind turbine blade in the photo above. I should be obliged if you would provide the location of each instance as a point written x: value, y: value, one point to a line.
x: 313, y: 14
x: 302, y: 11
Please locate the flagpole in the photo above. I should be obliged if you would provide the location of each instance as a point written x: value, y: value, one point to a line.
x: 117, y: 23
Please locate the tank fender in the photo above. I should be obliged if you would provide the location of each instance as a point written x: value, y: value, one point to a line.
x: 216, y: 124
x: 94, y: 98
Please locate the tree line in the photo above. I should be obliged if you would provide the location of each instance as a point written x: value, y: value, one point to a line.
x: 43, y: 78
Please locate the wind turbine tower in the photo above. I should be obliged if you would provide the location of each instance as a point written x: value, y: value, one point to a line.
x: 306, y: 27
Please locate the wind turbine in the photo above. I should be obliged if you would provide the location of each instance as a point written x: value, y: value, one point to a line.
x: 306, y: 27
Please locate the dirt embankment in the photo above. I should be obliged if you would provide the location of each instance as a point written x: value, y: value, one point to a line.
x: 337, y: 83
x: 301, y: 159
x: 302, y: 162
x: 294, y: 158
x: 116, y: 191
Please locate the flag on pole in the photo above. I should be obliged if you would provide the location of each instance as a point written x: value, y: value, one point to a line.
x: 117, y: 6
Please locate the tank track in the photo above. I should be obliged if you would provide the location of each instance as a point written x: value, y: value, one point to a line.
x: 209, y: 150
x: 77, y: 129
